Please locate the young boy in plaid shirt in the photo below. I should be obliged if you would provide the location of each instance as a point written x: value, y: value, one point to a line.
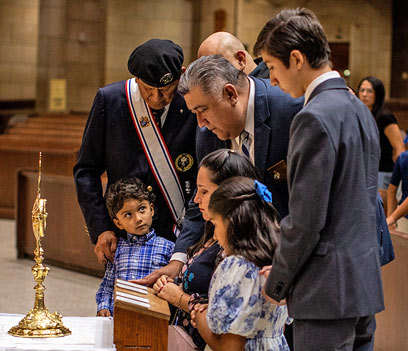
x: 130, y: 206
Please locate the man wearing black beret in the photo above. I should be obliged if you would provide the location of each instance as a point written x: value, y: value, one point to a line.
x: 139, y: 127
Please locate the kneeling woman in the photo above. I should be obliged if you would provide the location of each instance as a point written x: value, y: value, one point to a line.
x: 194, y: 280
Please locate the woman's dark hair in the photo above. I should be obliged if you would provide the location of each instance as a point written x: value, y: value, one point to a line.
x: 124, y: 189
x: 226, y: 163
x: 253, y: 228
x: 223, y: 164
x: 379, y: 91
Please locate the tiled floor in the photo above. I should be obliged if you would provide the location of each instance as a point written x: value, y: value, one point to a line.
x: 69, y: 293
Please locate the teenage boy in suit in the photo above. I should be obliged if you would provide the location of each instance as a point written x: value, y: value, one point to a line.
x: 327, y: 263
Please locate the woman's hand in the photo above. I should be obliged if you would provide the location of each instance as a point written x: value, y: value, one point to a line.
x: 171, y: 293
x: 162, y: 281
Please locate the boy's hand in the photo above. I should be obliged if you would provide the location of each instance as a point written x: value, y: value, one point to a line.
x: 106, y: 246
x: 171, y: 270
x: 103, y: 313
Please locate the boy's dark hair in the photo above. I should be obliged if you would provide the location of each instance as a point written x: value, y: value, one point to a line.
x: 298, y: 30
x: 223, y: 164
x: 379, y: 91
x: 124, y: 189
x: 267, y: 28
x: 252, y: 222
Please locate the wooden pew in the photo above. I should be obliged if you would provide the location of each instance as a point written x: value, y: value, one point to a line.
x: 21, y: 152
x: 59, y: 137
x: 70, y: 118
x: 57, y: 132
x: 9, y: 108
x: 48, y: 125
x: 66, y: 243
x: 392, y: 323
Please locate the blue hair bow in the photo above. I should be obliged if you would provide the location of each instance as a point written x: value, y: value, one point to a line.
x: 263, y: 192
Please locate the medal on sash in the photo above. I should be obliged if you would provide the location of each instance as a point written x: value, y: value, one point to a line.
x: 156, y: 151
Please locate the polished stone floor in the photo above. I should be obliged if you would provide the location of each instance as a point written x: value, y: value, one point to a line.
x: 69, y: 293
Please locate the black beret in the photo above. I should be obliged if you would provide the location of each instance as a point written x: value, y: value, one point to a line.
x: 156, y: 62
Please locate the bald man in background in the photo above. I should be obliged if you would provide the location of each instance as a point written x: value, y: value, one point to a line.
x: 231, y: 48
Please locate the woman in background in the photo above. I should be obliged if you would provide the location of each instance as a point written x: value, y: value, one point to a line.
x: 371, y: 92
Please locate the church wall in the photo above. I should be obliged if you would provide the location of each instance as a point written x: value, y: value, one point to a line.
x: 71, y: 46
x: 18, y: 49
x: 132, y: 22
x: 365, y: 25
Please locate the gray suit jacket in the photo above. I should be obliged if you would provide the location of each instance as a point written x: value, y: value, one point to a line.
x: 327, y: 262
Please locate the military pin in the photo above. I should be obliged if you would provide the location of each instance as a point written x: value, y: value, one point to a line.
x: 187, y: 187
x: 184, y: 162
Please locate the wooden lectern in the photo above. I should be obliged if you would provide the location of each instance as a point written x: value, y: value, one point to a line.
x: 140, y: 318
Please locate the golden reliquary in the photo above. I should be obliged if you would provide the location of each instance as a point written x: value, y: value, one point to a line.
x: 39, y: 322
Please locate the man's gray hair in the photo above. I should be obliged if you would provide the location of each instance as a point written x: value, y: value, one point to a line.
x: 210, y: 73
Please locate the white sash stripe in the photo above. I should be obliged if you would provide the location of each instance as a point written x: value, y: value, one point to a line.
x: 156, y: 151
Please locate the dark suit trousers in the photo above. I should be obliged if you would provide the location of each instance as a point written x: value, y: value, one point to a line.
x: 334, y: 335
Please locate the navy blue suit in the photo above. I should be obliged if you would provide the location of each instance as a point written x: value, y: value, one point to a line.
x: 273, y: 114
x: 110, y: 143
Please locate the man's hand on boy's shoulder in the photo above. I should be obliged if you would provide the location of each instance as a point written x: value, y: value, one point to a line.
x: 106, y: 246
x: 171, y: 270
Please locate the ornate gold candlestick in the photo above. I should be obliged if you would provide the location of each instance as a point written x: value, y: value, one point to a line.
x: 39, y: 322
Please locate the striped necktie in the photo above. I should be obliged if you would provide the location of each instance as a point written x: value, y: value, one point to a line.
x: 245, y: 142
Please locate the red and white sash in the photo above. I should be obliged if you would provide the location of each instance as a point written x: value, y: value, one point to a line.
x: 156, y: 151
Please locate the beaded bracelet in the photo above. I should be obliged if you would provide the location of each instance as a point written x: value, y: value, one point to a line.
x: 181, y: 296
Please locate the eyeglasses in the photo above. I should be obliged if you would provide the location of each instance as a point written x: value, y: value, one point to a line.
x: 367, y: 90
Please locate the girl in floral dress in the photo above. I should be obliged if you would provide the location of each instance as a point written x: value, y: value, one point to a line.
x: 237, y: 316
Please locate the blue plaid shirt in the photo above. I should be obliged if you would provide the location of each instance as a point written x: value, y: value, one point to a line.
x: 135, y: 257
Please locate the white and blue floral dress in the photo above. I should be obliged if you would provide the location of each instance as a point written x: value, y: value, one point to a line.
x: 236, y: 306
